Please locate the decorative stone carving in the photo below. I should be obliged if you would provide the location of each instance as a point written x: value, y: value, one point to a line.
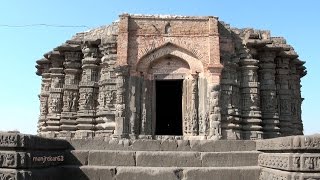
x: 251, y: 114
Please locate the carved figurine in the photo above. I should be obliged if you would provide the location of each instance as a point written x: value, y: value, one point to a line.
x: 9, y: 160
x: 74, y: 102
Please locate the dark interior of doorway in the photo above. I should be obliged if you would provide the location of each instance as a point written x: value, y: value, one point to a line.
x: 169, y: 107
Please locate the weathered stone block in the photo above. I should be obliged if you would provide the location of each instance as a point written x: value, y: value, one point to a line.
x: 168, y: 159
x: 13, y: 159
x: 244, y: 173
x: 299, y: 162
x: 290, y: 143
x: 111, y: 158
x: 23, y: 141
x: 229, y: 159
x: 77, y: 157
x: 146, y: 145
x: 154, y: 173
x: 89, y: 173
x: 267, y: 174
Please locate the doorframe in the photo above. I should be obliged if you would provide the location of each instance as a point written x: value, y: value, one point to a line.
x: 163, y: 77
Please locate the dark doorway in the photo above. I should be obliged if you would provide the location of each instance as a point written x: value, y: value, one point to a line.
x: 169, y: 107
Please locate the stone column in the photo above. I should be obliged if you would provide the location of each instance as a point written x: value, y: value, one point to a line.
x: 214, y: 80
x: 107, y: 91
x: 72, y: 72
x: 88, y: 89
x: 203, y: 108
x: 301, y: 71
x: 194, y: 106
x: 269, y: 112
x: 190, y: 102
x: 284, y: 95
x: 56, y: 93
x: 143, y: 109
x: 43, y: 70
x: 251, y: 114
x: 294, y: 85
x: 230, y: 102
x: 134, y: 105
x: 121, y: 129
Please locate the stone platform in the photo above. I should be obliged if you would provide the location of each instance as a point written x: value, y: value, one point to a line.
x: 24, y: 157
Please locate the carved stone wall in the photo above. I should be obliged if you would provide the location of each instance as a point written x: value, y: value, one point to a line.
x: 26, y: 157
x: 291, y: 158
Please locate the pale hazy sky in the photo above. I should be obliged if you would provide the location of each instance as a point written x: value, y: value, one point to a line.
x: 20, y: 47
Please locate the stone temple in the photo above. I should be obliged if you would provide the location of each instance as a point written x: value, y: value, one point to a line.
x: 159, y: 97
x: 181, y: 76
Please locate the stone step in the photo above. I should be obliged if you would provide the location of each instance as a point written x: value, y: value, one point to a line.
x: 162, y: 158
x: 163, y: 145
x: 160, y: 173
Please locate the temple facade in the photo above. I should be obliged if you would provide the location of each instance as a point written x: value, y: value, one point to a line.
x: 180, y: 77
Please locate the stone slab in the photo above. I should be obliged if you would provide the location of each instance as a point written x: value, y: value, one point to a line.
x: 168, y: 159
x: 243, y: 173
x: 267, y: 174
x: 88, y: 173
x: 161, y: 173
x: 126, y: 173
x: 30, y: 142
x: 76, y: 157
x: 163, y: 145
x: 299, y: 162
x: 19, y: 160
x: 290, y: 143
x: 112, y: 158
x: 229, y: 159
x: 31, y: 174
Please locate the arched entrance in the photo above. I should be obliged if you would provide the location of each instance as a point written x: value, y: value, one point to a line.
x: 170, y: 75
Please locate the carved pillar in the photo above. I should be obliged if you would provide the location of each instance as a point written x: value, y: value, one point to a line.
x: 294, y: 85
x: 107, y: 91
x: 284, y: 95
x: 72, y: 72
x: 56, y: 93
x: 301, y: 71
x: 214, y: 80
x: 121, y: 129
x: 270, y: 116
x: 88, y: 90
x: 214, y: 113
x: 203, y: 109
x: 194, y: 106
x: 143, y: 109
x: 134, y: 105
x: 251, y: 114
x: 230, y: 102
x: 43, y: 70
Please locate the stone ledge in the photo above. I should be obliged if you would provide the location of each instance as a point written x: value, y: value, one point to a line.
x: 163, y: 145
x: 229, y: 159
x: 290, y: 143
x: 267, y: 174
x: 161, y: 173
x: 18, y: 160
x: 168, y: 159
x: 30, y: 142
x: 31, y: 174
x: 306, y: 162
